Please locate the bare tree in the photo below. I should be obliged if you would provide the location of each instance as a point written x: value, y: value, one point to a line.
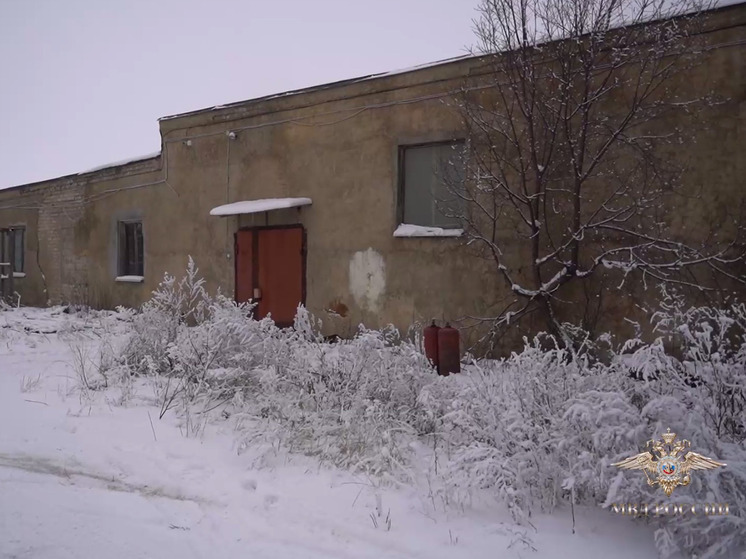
x: 572, y: 131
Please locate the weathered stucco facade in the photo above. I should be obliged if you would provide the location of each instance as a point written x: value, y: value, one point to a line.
x: 338, y: 145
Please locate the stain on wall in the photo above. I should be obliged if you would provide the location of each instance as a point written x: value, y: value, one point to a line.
x: 367, y: 279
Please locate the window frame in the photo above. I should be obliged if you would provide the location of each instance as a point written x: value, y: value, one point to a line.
x: 22, y: 253
x: 5, y: 250
x: 401, y: 174
x: 122, y: 256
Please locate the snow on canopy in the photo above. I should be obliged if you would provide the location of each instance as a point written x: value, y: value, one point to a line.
x: 257, y: 206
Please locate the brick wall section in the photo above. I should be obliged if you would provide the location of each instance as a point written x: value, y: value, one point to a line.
x: 58, y: 255
x: 63, y: 269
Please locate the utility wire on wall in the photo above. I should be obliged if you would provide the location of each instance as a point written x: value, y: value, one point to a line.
x: 356, y: 111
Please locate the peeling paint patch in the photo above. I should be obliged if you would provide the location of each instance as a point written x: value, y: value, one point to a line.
x: 337, y: 308
x: 367, y: 279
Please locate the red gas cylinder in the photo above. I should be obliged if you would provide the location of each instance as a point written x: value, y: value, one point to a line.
x: 431, y: 343
x: 448, y: 351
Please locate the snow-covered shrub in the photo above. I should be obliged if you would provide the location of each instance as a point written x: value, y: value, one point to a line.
x: 353, y: 403
x: 173, y: 306
x: 93, y: 341
x: 713, y: 362
x: 538, y: 430
x: 698, y: 390
x: 90, y: 372
x: 534, y: 426
x: 542, y: 427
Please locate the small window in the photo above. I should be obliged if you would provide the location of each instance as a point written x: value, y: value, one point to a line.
x: 17, y: 237
x: 130, y: 249
x: 430, y: 177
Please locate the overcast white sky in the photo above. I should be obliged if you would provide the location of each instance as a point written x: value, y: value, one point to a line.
x: 84, y: 81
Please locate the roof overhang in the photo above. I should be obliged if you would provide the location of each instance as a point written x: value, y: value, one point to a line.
x: 258, y: 206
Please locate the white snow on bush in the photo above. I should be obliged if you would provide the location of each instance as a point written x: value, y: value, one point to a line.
x: 499, y: 458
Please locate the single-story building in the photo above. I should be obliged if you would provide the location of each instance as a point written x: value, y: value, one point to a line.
x: 321, y: 196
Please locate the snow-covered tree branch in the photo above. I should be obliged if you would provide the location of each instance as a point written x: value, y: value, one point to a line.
x: 572, y: 166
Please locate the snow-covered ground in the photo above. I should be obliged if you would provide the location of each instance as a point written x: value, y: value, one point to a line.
x: 81, y: 476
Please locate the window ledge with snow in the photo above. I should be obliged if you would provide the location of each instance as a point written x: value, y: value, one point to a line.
x: 130, y: 279
x: 19, y: 274
x: 407, y: 230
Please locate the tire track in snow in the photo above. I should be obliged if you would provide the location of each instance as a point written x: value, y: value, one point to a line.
x: 43, y: 465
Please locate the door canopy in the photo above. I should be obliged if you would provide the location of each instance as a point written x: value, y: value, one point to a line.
x: 258, y: 206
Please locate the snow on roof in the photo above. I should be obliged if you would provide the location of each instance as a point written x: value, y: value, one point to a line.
x: 327, y: 85
x: 257, y: 206
x: 122, y: 162
x: 716, y: 4
x: 420, y: 66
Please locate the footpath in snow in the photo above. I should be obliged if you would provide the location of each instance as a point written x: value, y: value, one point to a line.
x: 82, y: 476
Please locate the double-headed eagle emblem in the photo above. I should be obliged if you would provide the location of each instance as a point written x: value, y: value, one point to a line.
x: 665, y: 462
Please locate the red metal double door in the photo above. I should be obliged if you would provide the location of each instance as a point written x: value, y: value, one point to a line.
x: 271, y: 270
